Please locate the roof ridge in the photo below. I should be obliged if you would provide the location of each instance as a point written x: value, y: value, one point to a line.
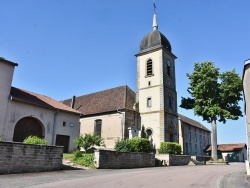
x: 97, y: 92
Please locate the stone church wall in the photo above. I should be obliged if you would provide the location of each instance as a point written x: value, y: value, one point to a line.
x: 20, y: 158
x: 112, y: 159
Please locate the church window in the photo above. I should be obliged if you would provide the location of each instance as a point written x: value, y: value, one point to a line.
x: 195, y: 148
x: 149, y: 83
x: 189, y: 135
x: 98, y: 127
x: 149, y: 102
x: 64, y: 124
x: 168, y: 68
x: 195, y: 137
x: 170, y: 101
x: 149, y: 68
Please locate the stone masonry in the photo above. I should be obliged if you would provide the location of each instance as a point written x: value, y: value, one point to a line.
x: 20, y: 158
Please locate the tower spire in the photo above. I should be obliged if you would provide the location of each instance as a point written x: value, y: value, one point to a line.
x: 155, y: 25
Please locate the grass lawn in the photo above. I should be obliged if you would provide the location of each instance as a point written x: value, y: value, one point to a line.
x: 83, y: 159
x: 68, y: 156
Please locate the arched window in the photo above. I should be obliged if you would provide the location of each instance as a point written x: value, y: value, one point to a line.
x: 98, y: 127
x: 149, y: 68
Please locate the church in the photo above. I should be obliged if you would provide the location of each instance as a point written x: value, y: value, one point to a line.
x: 114, y: 114
x: 120, y: 113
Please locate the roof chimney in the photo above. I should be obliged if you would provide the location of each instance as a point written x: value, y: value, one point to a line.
x: 73, y: 101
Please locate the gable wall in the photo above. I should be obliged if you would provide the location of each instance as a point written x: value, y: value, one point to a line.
x: 6, y: 74
x: 18, y: 110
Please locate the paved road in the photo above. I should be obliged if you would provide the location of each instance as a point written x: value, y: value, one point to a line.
x: 225, y: 176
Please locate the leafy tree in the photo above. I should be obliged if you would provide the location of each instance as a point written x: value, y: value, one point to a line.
x: 143, y: 133
x: 214, y: 96
x: 89, y: 140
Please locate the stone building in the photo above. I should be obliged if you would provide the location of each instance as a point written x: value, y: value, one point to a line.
x: 194, y: 138
x: 24, y: 113
x: 246, y: 91
x: 108, y: 113
x: 120, y: 113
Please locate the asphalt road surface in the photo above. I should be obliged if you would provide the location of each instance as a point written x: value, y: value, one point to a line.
x: 225, y: 176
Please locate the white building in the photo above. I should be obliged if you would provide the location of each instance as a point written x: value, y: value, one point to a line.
x: 24, y: 113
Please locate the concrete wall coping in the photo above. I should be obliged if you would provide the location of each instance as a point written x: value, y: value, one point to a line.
x: 23, y: 144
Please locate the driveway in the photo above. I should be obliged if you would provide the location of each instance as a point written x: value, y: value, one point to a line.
x: 225, y: 176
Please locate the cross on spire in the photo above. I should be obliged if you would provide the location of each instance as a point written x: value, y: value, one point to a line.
x: 154, y: 6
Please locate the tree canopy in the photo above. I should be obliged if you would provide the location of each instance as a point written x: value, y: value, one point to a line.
x: 214, y: 95
x: 89, y: 140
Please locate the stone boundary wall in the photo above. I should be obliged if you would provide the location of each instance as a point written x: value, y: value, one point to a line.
x: 172, y: 160
x: 112, y: 159
x: 22, y: 158
x: 201, y: 158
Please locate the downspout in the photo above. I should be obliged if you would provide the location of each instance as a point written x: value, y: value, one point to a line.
x: 53, y: 129
x: 122, y: 122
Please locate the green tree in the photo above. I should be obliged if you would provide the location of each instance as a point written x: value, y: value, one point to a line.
x: 89, y: 140
x: 214, y: 96
x: 143, y: 133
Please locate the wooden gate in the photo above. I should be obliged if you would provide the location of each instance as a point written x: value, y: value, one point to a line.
x: 27, y: 127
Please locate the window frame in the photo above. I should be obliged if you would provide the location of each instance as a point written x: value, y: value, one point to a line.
x: 98, y: 130
x: 149, y: 68
x: 149, y: 102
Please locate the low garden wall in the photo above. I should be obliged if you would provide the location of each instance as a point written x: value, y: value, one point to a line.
x: 19, y: 158
x: 172, y: 160
x: 113, y: 159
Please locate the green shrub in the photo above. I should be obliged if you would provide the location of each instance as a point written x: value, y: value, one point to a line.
x: 135, y: 144
x: 139, y: 144
x: 1, y: 139
x: 123, y: 146
x: 143, y: 133
x: 35, y: 140
x: 86, y: 160
x: 77, y: 154
x: 89, y: 140
x: 170, y: 148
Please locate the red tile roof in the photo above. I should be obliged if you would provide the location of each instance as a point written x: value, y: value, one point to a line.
x: 118, y: 98
x: 192, y: 122
x: 39, y: 100
x: 228, y: 147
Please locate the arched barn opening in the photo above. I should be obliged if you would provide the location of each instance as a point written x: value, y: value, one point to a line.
x: 28, y: 126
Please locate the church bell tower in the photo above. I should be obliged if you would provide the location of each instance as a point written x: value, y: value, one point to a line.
x: 156, y: 94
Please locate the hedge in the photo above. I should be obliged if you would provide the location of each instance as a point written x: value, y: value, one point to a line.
x: 170, y: 148
x: 135, y: 144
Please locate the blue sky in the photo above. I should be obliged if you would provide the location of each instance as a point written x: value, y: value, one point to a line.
x: 67, y: 48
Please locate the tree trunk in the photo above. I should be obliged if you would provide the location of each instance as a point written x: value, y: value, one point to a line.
x: 214, y: 140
